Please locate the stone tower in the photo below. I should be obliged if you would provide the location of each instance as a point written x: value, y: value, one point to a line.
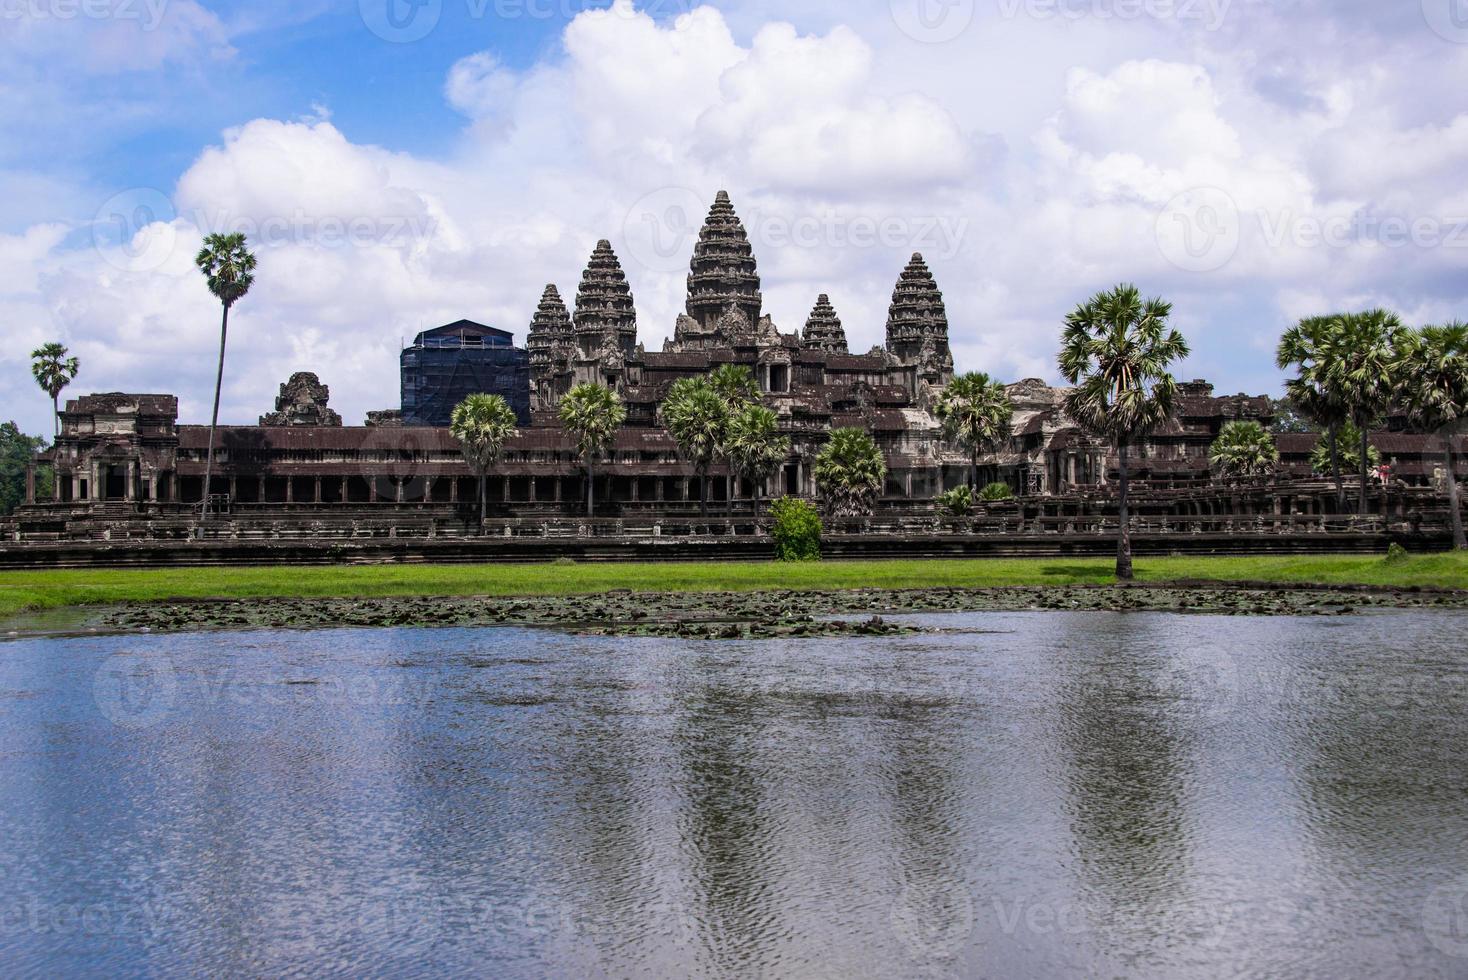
x: 724, y: 299
x: 823, y: 329
x: 551, y: 343
x: 917, y: 325
x: 605, y: 318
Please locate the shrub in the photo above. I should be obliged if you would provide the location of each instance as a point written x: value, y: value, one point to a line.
x: 797, y: 530
x: 996, y: 491
x: 1396, y: 554
x: 956, y: 502
x: 563, y: 561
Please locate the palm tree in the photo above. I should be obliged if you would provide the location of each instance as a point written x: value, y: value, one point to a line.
x: 53, y: 371
x: 1347, y: 455
x: 1305, y: 346
x: 483, y: 424
x: 849, y: 473
x: 976, y: 414
x: 1435, y: 359
x: 1116, y: 349
x: 592, y: 413
x: 735, y: 384
x: 229, y: 268
x: 1361, y: 362
x: 696, y: 416
x: 755, y: 448
x: 1243, y: 449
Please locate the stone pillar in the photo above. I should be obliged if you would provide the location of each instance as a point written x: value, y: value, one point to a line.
x: 506, y: 494
x: 683, y: 488
x: 290, y: 489
x: 93, y: 493
x: 558, y: 489
x: 636, y: 489
x: 399, y: 484
x: 372, y: 489
x: 532, y: 490
x: 76, y: 485
x: 454, y: 490
x: 657, y: 492
x: 30, y: 483
x: 907, y: 484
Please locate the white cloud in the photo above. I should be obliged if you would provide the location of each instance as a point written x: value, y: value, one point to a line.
x: 1048, y: 149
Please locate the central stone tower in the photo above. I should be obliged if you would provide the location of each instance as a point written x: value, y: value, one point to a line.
x: 724, y: 299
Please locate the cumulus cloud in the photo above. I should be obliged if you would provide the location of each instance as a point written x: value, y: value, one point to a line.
x: 1032, y: 161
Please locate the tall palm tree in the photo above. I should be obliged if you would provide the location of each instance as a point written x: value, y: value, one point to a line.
x: 1434, y: 388
x: 696, y: 416
x: 229, y: 268
x: 1243, y: 449
x: 977, y: 415
x: 755, y: 448
x: 592, y: 413
x: 849, y: 473
x: 1305, y: 347
x: 1361, y: 363
x: 1346, y: 455
x: 53, y: 370
x: 483, y: 424
x: 1116, y: 349
x: 734, y: 383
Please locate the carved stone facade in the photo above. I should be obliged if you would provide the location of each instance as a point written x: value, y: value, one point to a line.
x: 128, y: 448
x: 823, y: 329
x: 302, y: 401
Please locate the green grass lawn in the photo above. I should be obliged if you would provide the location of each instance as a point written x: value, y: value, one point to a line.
x: 27, y: 591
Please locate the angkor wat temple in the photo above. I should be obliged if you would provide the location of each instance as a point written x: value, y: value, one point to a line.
x: 127, y: 455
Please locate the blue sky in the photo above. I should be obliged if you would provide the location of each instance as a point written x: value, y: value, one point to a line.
x: 1252, y: 160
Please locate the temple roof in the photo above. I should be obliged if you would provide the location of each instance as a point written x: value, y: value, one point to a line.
x: 723, y: 273
x: 823, y: 328
x: 917, y: 312
x: 551, y: 325
x: 604, y: 306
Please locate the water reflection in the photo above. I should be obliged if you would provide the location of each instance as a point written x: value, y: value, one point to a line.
x: 1143, y: 795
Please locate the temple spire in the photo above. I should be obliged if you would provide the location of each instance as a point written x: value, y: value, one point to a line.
x: 723, y: 280
x: 917, y: 324
x: 823, y: 329
x: 551, y: 343
x: 605, y: 315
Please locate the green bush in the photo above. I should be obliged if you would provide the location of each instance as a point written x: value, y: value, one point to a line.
x: 797, y: 530
x: 996, y: 491
x: 956, y: 502
x: 1396, y: 554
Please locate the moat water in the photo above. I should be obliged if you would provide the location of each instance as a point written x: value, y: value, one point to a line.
x: 1049, y: 794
